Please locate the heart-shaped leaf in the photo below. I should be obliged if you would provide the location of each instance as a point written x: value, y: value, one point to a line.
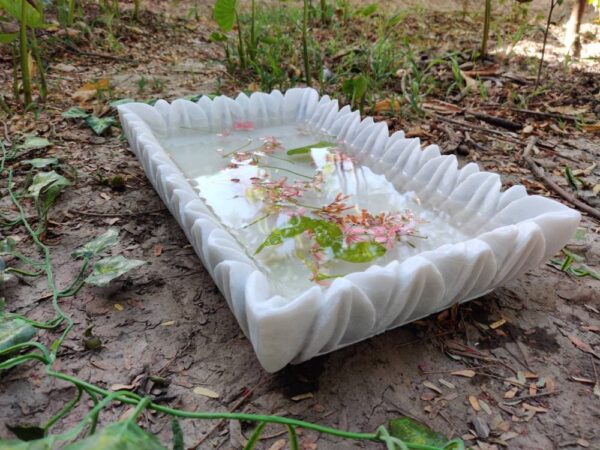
x: 98, y: 245
x: 40, y: 163
x: 224, y: 14
x: 14, y: 331
x: 33, y: 18
x: 75, y: 113
x: 39, y: 444
x: 32, y: 142
x: 120, y: 435
x: 100, y: 124
x: 411, y: 431
x: 46, y: 187
x: 107, y: 269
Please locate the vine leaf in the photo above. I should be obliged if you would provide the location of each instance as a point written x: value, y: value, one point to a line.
x: 8, y: 246
x: 33, y: 142
x: 307, y: 148
x: 40, y: 163
x: 75, y: 113
x: 107, y: 269
x: 98, y: 245
x: 14, y: 331
x: 121, y: 435
x: 224, y: 14
x: 178, y: 443
x: 99, y: 125
x: 46, y: 187
x: 409, y: 430
x: 38, y: 444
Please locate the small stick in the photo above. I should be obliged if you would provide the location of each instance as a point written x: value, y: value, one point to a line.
x: 123, y: 214
x: 236, y: 405
x: 547, y: 114
x: 541, y: 174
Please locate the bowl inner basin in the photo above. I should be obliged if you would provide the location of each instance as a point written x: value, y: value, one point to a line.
x: 261, y: 195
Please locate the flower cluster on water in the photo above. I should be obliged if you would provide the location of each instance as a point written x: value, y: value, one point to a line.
x: 337, y: 231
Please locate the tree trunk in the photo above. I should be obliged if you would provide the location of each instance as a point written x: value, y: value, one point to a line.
x: 572, y: 39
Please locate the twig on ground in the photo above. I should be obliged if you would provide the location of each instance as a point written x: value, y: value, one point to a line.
x: 497, y: 121
x: 549, y: 114
x: 235, y: 406
x: 73, y: 49
x: 539, y: 173
x: 116, y: 214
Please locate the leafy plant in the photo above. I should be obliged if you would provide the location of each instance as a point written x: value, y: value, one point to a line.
x: 29, y: 19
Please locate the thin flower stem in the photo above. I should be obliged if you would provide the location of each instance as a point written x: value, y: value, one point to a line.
x: 287, y: 170
x: 254, y: 222
x: 238, y: 149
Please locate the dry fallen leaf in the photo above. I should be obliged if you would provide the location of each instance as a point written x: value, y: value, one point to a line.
x: 432, y: 386
x: 278, y: 444
x: 511, y: 393
x: 464, y: 373
x: 387, y: 105
x: 583, y: 346
x: 301, y: 397
x: 118, y: 307
x: 497, y: 324
x: 168, y: 323
x: 89, y: 90
x: 592, y: 128
x: 474, y: 403
x: 199, y: 390
x: 157, y: 250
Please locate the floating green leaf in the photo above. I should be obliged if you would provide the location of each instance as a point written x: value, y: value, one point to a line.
x: 409, y: 430
x: 307, y: 148
x: 361, y: 252
x: 224, y: 14
x: 100, y: 124
x: 32, y: 142
x: 75, y: 113
x: 107, y: 269
x: 121, y: 436
x: 327, y: 234
x: 40, y: 163
x: 98, y: 245
x: 14, y: 331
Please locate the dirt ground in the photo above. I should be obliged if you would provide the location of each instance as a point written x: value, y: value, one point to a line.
x: 169, y: 319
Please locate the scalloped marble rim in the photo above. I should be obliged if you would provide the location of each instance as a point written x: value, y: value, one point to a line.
x: 514, y: 231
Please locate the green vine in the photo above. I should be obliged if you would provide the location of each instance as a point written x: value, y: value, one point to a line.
x: 13, y: 356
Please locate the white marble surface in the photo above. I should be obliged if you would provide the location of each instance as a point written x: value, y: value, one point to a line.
x: 508, y: 232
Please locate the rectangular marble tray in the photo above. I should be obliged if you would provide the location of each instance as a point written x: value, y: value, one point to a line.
x: 500, y: 234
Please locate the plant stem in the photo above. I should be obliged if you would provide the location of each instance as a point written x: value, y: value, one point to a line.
x: 486, y: 28
x: 15, y: 57
x: 286, y: 170
x: 324, y: 12
x: 305, y: 43
x: 252, y: 49
x: 241, y: 51
x: 26, y: 76
x: 38, y: 60
x: 539, y: 72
